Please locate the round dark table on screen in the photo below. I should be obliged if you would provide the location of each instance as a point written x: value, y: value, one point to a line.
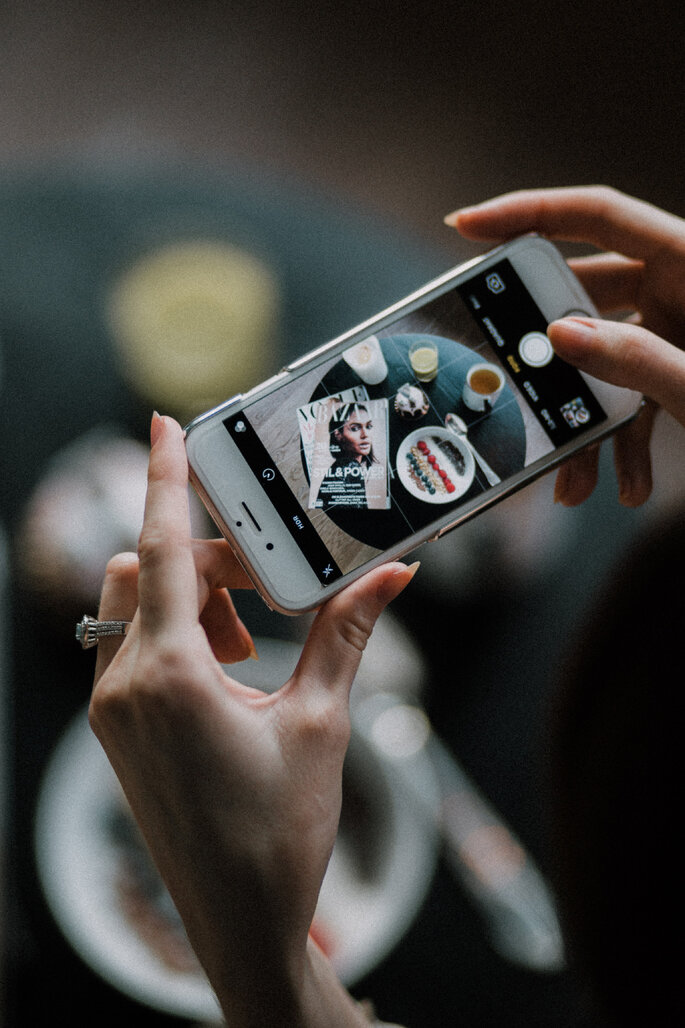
x: 499, y: 436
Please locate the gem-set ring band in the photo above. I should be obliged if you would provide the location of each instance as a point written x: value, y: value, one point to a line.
x: 89, y: 631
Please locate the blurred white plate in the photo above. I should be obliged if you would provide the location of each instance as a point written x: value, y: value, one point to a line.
x: 79, y: 867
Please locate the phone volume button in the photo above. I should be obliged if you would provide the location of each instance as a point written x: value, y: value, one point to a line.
x: 443, y: 531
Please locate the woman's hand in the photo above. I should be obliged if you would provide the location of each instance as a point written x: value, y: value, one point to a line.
x: 643, y: 274
x: 237, y: 792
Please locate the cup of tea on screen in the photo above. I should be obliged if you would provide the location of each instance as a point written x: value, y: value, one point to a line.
x: 484, y: 383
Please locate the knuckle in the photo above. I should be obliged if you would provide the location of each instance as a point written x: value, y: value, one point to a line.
x: 603, y: 199
x: 325, y: 724
x: 355, y: 632
x: 158, y: 688
x: 162, y: 676
x: 119, y: 566
x: 603, y: 192
x: 150, y: 543
x: 155, y: 545
x: 636, y: 355
x: 355, y: 623
x: 95, y: 710
x: 107, y: 710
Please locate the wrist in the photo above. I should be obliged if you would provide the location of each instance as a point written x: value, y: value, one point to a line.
x: 327, y: 1003
x: 303, y: 992
x: 256, y: 987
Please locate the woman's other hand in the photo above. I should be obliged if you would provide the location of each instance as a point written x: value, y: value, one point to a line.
x: 641, y: 272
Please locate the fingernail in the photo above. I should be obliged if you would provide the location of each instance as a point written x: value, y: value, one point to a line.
x: 625, y: 490
x: 155, y: 428
x: 635, y: 489
x: 559, y: 492
x: 407, y: 572
x: 399, y: 580
x: 453, y: 217
x: 580, y: 329
x: 560, y: 486
x: 248, y: 641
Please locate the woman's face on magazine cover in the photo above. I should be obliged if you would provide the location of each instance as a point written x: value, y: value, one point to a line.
x: 355, y: 436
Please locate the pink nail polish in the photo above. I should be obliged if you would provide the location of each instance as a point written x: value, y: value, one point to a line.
x: 575, y: 328
x: 156, y: 426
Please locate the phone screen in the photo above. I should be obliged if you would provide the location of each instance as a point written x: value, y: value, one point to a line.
x: 432, y: 410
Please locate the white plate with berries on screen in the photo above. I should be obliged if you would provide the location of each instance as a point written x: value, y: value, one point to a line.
x: 434, y: 465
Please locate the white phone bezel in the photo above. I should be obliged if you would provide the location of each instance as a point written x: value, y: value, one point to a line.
x: 232, y: 493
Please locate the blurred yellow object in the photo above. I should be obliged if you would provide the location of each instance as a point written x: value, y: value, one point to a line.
x: 195, y: 322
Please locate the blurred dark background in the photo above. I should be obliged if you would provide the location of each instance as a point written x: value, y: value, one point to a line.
x: 407, y: 109
x: 318, y: 133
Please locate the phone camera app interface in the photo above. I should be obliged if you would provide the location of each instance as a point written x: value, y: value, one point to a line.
x: 424, y: 415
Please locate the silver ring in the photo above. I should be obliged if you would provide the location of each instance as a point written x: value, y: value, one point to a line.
x: 89, y: 631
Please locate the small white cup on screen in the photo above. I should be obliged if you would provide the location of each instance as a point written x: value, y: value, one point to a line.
x: 367, y: 360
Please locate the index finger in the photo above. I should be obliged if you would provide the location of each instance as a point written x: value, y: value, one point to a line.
x: 598, y: 215
x: 167, y: 582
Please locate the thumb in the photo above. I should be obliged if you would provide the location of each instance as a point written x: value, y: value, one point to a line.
x: 342, y: 628
x: 625, y: 355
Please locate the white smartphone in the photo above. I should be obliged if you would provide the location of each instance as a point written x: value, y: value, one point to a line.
x: 403, y: 428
